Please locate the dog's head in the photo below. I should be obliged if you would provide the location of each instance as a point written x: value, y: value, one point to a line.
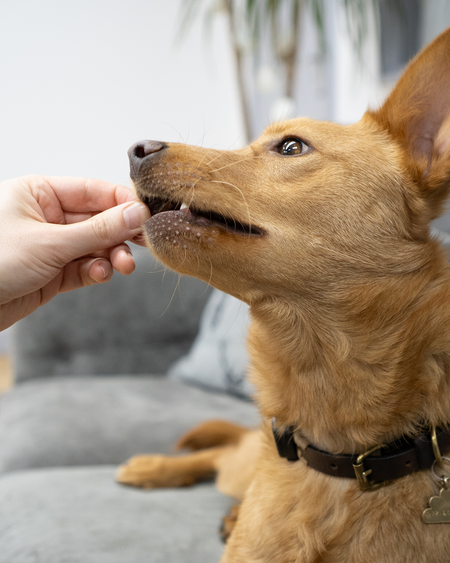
x: 309, y: 204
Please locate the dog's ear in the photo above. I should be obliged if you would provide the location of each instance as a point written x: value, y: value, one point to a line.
x: 417, y: 115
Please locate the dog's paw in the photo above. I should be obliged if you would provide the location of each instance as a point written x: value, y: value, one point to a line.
x: 153, y: 471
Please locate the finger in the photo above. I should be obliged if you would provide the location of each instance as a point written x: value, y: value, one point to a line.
x: 85, y: 272
x: 86, y: 194
x: 18, y: 308
x: 105, y: 253
x: 70, y: 217
x: 119, y: 257
x: 99, y: 270
x: 105, y: 230
x: 122, y: 259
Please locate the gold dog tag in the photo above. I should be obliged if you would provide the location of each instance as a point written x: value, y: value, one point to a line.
x: 439, y: 510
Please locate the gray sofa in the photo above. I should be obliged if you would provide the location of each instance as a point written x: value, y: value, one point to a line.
x: 102, y: 374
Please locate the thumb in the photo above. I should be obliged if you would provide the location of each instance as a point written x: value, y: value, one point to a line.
x: 106, y: 229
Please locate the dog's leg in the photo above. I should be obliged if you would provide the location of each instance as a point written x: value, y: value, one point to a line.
x: 152, y: 471
x: 211, y: 433
x: 237, y: 450
x: 212, y: 443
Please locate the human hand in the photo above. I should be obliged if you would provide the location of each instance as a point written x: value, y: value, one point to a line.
x: 59, y: 234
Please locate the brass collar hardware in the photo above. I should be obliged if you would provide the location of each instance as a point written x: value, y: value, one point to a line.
x: 362, y: 473
x: 434, y: 443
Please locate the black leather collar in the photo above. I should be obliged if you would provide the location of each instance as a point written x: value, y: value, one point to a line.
x: 383, y: 463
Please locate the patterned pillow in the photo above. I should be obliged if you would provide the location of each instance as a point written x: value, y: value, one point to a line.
x: 218, y: 359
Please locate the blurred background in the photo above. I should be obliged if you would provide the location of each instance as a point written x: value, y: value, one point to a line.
x: 81, y: 80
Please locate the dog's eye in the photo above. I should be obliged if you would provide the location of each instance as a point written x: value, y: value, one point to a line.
x: 292, y: 147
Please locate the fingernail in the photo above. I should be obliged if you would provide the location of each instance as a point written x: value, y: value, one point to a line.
x: 135, y: 215
x: 103, y: 267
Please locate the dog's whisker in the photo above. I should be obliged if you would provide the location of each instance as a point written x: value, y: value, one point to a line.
x: 183, y: 261
x: 180, y: 136
x: 215, y: 158
x: 236, y: 140
x: 173, y: 295
x: 202, y: 159
x: 211, y: 272
x: 243, y: 198
x: 205, y: 131
x: 192, y: 193
x: 235, y: 163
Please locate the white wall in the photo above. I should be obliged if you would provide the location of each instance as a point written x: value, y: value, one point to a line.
x: 353, y: 79
x: 81, y: 80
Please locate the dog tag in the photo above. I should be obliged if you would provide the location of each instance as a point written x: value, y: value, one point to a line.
x: 439, y: 510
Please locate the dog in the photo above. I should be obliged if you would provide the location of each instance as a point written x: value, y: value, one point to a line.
x: 323, y: 229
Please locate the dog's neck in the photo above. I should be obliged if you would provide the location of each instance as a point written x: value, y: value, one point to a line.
x: 363, y: 369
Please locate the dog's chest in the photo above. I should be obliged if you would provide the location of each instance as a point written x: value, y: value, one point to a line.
x: 294, y: 514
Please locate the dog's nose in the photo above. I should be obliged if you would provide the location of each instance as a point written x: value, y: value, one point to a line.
x: 141, y: 150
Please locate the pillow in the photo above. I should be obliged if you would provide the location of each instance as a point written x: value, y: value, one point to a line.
x: 218, y: 358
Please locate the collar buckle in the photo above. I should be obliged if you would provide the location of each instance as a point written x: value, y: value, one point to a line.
x: 435, y: 445
x: 362, y: 473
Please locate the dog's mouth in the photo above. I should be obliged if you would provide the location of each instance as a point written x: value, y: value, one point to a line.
x: 199, y: 217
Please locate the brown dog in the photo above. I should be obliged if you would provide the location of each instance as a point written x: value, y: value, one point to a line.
x: 323, y: 230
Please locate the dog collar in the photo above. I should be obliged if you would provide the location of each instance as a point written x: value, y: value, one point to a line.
x: 382, y: 463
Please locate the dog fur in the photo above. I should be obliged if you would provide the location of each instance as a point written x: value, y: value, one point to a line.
x: 350, y: 304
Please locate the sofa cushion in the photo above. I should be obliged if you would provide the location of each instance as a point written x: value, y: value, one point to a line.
x: 134, y: 324
x: 80, y: 515
x: 218, y: 358
x: 103, y: 420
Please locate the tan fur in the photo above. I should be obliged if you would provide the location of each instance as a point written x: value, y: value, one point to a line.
x: 350, y: 306
x: 211, y: 433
